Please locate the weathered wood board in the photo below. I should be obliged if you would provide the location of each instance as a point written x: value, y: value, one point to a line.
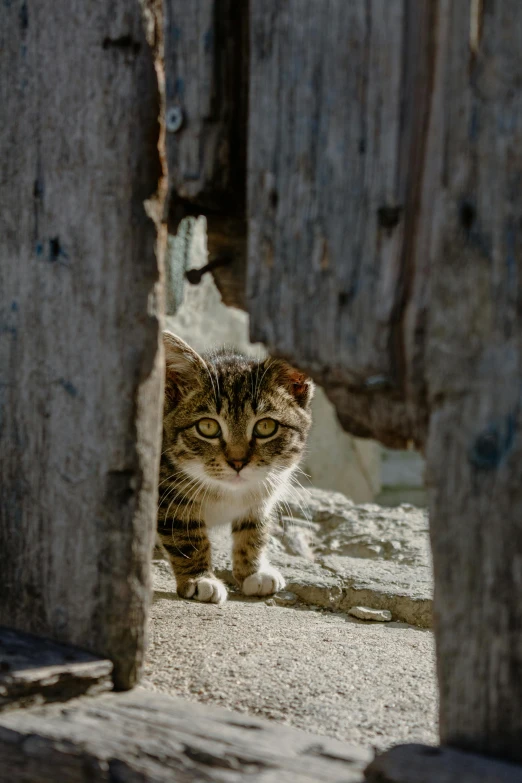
x: 206, y: 86
x: 425, y: 764
x: 34, y: 670
x: 473, y: 361
x: 80, y: 369
x: 385, y: 240
x: 140, y: 736
x: 334, y: 156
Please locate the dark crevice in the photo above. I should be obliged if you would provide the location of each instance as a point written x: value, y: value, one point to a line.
x: 467, y: 216
x: 389, y: 217
x: 55, y: 249
x: 417, y: 89
x: 124, y: 42
x: 24, y: 17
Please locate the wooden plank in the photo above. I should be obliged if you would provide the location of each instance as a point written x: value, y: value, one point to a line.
x: 384, y: 203
x: 473, y: 361
x: 34, y: 670
x: 206, y: 80
x: 144, y: 737
x: 80, y: 367
x: 337, y: 98
x: 425, y: 764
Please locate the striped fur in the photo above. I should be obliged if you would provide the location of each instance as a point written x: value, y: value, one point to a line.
x: 233, y: 476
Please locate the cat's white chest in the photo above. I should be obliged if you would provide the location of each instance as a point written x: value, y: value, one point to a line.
x: 225, y: 511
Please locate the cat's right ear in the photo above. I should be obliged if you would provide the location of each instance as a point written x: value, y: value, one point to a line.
x: 183, y: 367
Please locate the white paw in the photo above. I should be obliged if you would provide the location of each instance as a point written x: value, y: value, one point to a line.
x: 207, y: 589
x: 264, y: 582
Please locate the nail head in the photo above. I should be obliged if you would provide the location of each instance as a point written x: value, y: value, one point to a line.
x: 174, y: 119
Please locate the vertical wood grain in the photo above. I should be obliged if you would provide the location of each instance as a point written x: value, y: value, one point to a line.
x: 80, y: 373
x: 206, y: 77
x: 335, y: 156
x: 473, y: 359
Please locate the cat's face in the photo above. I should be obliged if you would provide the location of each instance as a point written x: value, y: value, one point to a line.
x: 236, y: 424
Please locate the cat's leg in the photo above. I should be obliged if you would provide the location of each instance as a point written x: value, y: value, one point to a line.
x: 188, y: 548
x: 251, y: 568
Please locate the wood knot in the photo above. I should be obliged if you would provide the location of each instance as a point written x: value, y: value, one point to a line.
x: 492, y: 444
x: 389, y: 217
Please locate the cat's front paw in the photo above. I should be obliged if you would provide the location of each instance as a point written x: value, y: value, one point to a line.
x: 207, y: 589
x: 264, y: 582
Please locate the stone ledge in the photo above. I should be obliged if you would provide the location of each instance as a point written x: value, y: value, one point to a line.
x: 347, y: 555
x: 344, y: 555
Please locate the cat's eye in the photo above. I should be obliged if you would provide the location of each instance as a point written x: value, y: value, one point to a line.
x: 265, y: 428
x: 209, y: 428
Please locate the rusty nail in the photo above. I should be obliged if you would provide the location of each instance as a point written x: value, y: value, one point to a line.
x: 194, y: 275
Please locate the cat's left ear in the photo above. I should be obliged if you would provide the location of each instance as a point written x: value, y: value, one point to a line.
x: 183, y: 367
x: 300, y: 386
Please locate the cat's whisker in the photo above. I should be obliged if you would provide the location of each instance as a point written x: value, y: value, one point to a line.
x: 291, y: 491
x: 298, y: 469
x: 203, y: 486
x: 252, y: 385
x: 280, y: 501
x: 257, y: 380
x: 203, y: 501
x: 168, y: 478
x: 189, y: 513
x: 165, y: 495
x: 185, y: 513
x: 269, y: 363
x: 207, y: 368
x: 177, y: 547
x: 175, y: 485
x: 292, y: 482
x: 188, y: 534
x: 184, y: 486
x: 283, y: 519
x: 297, y: 497
x: 192, y: 485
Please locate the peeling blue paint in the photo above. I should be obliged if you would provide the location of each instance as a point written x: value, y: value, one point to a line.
x: 179, y: 88
x: 69, y: 387
x: 56, y: 250
x: 208, y: 40
x: 474, y: 125
x: 493, y: 444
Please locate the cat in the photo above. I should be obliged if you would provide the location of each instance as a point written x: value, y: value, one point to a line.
x: 234, y: 430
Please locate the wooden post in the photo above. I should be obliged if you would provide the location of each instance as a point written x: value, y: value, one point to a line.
x: 384, y: 204
x: 80, y: 368
x: 474, y: 376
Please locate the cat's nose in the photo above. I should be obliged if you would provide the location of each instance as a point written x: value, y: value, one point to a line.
x: 237, y: 464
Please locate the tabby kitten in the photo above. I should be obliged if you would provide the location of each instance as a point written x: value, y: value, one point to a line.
x: 234, y: 430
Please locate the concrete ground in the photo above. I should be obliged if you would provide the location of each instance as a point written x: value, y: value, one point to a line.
x: 300, y: 658
x: 371, y: 684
